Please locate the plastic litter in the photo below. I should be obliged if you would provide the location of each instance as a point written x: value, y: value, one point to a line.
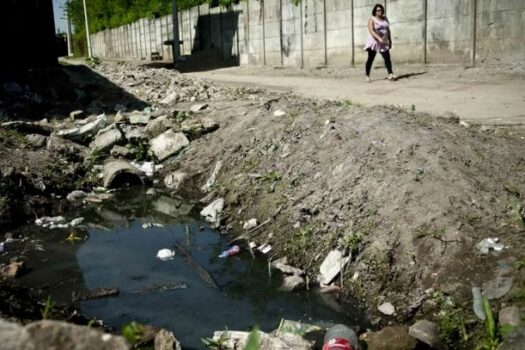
x: 2, y: 247
x: 234, y: 250
x: 264, y: 248
x: 151, y: 224
x: 477, y: 303
x: 489, y: 244
x: 165, y: 254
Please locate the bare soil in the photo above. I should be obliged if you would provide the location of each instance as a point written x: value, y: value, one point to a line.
x: 407, y: 194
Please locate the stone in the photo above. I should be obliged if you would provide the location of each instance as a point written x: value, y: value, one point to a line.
x: 198, y: 107
x: 238, y: 340
x: 168, y: 144
x: 211, y: 212
x: 12, y: 270
x: 387, y: 309
x: 249, y: 224
x: 61, y: 335
x: 119, y: 117
x: 514, y: 340
x: 199, y: 127
x: 107, y: 138
x: 117, y: 172
x: 134, y: 133
x: 76, y: 196
x: 58, y: 144
x: 331, y: 266
x: 122, y: 152
x: 282, y: 265
x: 510, y: 316
x: 139, y: 118
x: 165, y: 340
x: 279, y: 113
x: 86, y: 131
x: 174, y: 180
x: 79, y: 114
x: 426, y: 332
x: 390, y: 338
x: 9, y: 335
x: 291, y: 283
x: 157, y: 126
x: 173, y: 207
x: 497, y: 288
x: 36, y: 140
x: 170, y: 99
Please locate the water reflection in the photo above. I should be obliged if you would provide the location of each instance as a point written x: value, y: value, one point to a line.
x: 175, y: 294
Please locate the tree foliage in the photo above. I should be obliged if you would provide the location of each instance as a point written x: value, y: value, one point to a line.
x: 105, y: 14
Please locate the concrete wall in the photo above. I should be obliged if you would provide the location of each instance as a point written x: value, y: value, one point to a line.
x: 331, y: 32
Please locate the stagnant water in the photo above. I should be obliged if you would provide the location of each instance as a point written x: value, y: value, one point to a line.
x: 117, y: 251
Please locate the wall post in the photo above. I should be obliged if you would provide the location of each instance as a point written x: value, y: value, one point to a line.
x: 474, y: 11
x: 325, y: 35
x: 352, y: 31
x: 425, y: 26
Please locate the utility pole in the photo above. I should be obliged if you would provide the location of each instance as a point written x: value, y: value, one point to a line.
x: 175, y: 21
x: 90, y: 54
x: 68, y: 31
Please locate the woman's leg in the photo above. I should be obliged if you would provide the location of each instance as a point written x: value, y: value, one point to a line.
x: 369, y: 61
x: 388, y: 62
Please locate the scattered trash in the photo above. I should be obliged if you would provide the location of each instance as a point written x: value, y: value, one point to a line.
x: 249, y: 224
x: 294, y: 327
x: 2, y: 247
x: 332, y: 266
x: 489, y: 244
x: 387, y: 309
x: 72, y: 238
x: 497, y: 288
x: 477, y: 303
x: 234, y: 250
x: 212, y: 211
x: 151, y: 224
x: 252, y: 245
x: 165, y: 254
x: 340, y: 337
x: 47, y: 221
x: 76, y: 222
x: 264, y: 248
x: 211, y: 181
x: 279, y: 113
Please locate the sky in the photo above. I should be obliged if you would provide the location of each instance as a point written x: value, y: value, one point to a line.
x: 58, y: 9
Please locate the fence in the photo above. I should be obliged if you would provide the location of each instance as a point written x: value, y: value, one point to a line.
x: 330, y: 32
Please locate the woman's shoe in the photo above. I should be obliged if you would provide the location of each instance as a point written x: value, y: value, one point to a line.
x: 368, y: 80
x: 392, y: 77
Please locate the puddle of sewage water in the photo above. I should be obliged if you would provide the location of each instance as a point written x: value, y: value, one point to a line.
x: 118, y: 252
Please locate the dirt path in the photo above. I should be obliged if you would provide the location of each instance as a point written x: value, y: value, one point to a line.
x: 478, y: 95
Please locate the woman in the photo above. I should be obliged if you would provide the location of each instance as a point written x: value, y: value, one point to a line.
x: 379, y: 40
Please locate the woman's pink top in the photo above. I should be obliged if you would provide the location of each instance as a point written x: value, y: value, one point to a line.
x: 381, y: 28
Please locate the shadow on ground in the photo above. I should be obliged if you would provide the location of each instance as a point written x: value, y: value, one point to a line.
x: 54, y: 92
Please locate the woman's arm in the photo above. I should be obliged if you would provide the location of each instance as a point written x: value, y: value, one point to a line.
x: 372, y: 31
x: 389, y: 39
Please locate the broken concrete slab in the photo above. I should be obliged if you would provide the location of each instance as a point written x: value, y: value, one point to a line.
x: 198, y: 107
x: 107, y: 138
x: 238, y: 340
x: 212, y: 212
x: 122, y: 152
x: 137, y: 117
x: 200, y: 126
x: 292, y: 283
x: 61, y: 335
x: 165, y: 340
x: 174, y: 179
x: 428, y: 333
x: 85, y: 132
x: 78, y: 114
x: 118, y: 172
x: 168, y: 144
x: 36, y: 140
x: 170, y: 98
x: 387, y: 309
x: 157, y: 126
x: 332, y: 266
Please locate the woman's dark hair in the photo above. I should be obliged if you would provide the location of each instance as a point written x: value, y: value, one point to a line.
x: 375, y: 8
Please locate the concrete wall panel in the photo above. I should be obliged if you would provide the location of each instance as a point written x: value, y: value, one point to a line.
x: 276, y: 32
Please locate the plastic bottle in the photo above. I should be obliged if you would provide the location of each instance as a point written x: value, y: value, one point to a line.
x: 340, y: 337
x: 230, y: 252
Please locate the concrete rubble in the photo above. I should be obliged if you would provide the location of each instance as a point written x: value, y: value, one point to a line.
x: 168, y: 144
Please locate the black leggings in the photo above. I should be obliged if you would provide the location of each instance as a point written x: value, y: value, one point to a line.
x: 372, y: 55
